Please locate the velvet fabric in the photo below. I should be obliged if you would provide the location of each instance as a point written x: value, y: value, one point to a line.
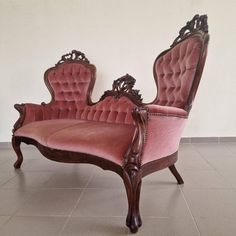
x: 175, y: 71
x: 162, y: 137
x: 166, y: 111
x: 70, y: 81
x: 109, y: 110
x: 107, y: 140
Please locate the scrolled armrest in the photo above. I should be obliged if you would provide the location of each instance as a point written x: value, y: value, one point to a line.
x: 29, y: 112
x: 166, y: 111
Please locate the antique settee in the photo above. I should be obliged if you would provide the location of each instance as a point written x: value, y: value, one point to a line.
x: 119, y: 132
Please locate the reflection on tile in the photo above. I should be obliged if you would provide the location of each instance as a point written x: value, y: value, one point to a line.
x: 36, y: 226
x: 105, y: 179
x: 26, y: 180
x: 50, y: 202
x: 77, y: 177
x: 99, y: 226
x: 102, y: 202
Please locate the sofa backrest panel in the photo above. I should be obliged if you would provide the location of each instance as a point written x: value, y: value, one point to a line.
x: 70, y: 82
x: 111, y: 110
x: 175, y: 71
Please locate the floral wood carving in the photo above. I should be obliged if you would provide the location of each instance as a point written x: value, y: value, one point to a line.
x: 74, y: 55
x: 124, y: 87
x: 197, y: 23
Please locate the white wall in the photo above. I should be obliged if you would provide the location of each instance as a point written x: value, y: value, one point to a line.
x: 118, y: 36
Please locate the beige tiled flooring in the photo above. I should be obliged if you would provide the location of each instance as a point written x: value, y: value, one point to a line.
x: 47, y: 198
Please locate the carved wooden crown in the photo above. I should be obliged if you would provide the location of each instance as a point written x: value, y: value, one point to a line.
x: 124, y: 87
x: 74, y: 55
x: 198, y: 23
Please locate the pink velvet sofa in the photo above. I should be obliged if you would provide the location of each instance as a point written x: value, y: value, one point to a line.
x: 119, y: 132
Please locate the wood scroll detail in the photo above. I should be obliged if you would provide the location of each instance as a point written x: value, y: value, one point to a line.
x: 199, y: 22
x: 124, y: 87
x: 74, y: 55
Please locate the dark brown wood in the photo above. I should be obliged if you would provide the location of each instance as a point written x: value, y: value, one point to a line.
x: 72, y: 56
x: 176, y: 174
x: 16, y: 146
x: 132, y: 170
x: 124, y: 87
x: 198, y: 23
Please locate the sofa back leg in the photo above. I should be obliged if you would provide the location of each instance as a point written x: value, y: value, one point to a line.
x: 176, y: 174
x: 16, y: 146
x: 132, y: 179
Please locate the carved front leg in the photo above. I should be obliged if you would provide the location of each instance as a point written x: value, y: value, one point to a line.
x: 16, y: 146
x: 132, y: 175
x: 132, y: 180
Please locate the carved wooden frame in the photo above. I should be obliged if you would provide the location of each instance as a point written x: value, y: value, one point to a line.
x: 132, y: 171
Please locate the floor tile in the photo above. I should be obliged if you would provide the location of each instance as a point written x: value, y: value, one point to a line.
x: 168, y: 227
x: 160, y: 179
x: 116, y: 226
x: 6, y: 176
x: 105, y: 179
x: 75, y: 177
x: 203, y: 179
x: 102, y: 202
x: 3, y: 220
x: 95, y: 226
x: 27, y: 180
x: 209, y: 203
x: 212, y: 149
x: 216, y: 226
x: 163, y: 203
x: 50, y: 202
x: 12, y: 199
x: 33, y: 226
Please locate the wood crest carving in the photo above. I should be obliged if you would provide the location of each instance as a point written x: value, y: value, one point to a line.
x: 199, y: 22
x: 124, y: 87
x: 74, y: 55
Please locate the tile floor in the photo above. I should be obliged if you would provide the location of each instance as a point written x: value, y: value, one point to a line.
x: 47, y: 198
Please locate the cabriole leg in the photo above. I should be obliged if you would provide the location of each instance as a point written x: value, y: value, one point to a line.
x: 16, y: 146
x: 176, y: 174
x: 132, y: 180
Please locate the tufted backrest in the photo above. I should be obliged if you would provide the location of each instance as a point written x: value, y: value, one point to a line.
x: 110, y: 110
x: 175, y: 70
x: 71, y: 81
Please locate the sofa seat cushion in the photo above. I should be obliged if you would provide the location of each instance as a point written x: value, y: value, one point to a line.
x: 106, y: 140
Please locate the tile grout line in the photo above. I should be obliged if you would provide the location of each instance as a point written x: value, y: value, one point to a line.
x: 76, y: 204
x: 191, y: 214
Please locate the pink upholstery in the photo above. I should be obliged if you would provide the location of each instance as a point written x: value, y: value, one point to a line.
x: 109, y: 110
x: 163, y: 137
x: 167, y: 111
x: 70, y: 81
x: 175, y: 72
x: 109, y: 141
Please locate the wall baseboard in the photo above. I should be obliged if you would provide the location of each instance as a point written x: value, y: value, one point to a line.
x: 208, y: 139
x: 183, y: 140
